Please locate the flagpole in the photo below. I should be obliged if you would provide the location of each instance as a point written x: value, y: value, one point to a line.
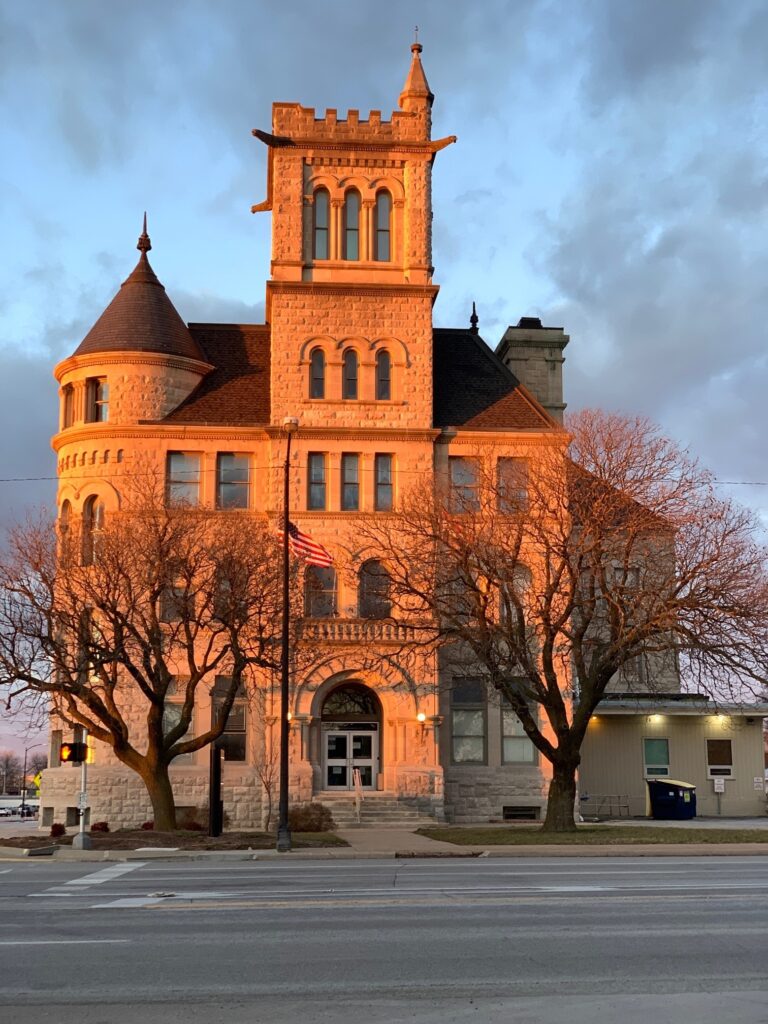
x: 290, y: 425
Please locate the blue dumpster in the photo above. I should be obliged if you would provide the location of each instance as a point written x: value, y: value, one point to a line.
x: 671, y: 800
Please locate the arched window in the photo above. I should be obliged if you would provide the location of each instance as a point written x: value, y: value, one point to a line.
x: 382, y: 249
x: 64, y: 518
x: 374, y: 595
x: 383, y: 376
x: 320, y: 218
x: 93, y: 528
x: 351, y: 248
x: 317, y: 374
x: 349, y: 374
x: 320, y: 593
x: 351, y: 702
x: 68, y: 413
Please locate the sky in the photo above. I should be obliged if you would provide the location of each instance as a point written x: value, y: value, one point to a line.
x: 610, y: 177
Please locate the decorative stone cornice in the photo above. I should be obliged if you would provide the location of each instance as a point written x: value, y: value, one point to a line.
x: 129, y: 356
x: 362, y: 288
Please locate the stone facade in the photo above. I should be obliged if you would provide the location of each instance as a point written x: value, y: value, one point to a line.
x: 202, y: 390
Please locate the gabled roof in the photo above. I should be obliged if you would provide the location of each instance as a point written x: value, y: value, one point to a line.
x: 141, y: 317
x: 236, y: 392
x: 474, y: 390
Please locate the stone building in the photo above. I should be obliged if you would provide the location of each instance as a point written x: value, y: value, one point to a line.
x: 382, y: 398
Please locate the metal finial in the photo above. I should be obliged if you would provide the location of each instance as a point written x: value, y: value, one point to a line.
x: 416, y: 46
x: 144, y: 244
x: 474, y: 320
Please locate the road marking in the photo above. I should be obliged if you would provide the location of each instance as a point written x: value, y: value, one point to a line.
x: 105, y: 875
x: 60, y: 942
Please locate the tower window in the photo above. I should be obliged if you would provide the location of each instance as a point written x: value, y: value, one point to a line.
x: 97, y: 400
x: 93, y: 529
x: 320, y: 217
x: 382, y: 248
x: 383, y: 376
x: 349, y: 374
x: 352, y: 225
x: 317, y: 374
x: 68, y: 412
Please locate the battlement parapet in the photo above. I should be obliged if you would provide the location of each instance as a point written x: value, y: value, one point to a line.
x: 292, y: 120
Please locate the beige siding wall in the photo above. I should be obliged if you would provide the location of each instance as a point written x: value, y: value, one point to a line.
x: 612, y: 760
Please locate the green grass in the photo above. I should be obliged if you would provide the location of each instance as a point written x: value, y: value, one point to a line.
x: 592, y: 835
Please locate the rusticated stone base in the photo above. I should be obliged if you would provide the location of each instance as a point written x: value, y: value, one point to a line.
x: 481, y: 794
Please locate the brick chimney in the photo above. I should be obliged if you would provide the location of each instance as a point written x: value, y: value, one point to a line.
x: 535, y: 355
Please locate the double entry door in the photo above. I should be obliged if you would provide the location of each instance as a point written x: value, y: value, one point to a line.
x: 347, y: 749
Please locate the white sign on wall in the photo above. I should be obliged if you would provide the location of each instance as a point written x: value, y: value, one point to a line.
x: 757, y: 782
x: 719, y: 785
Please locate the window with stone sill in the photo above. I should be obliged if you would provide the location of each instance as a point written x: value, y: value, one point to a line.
x: 512, y: 484
x: 68, y: 406
x: 465, y: 484
x: 317, y: 374
x: 93, y: 529
x: 350, y: 482
x: 384, y: 482
x: 234, y: 739
x: 316, y: 494
x: 350, y: 249
x: 383, y: 376
x: 183, y: 478
x: 320, y: 225
x: 171, y: 718
x: 96, y: 400
x: 516, y: 748
x: 382, y: 249
x: 349, y: 374
x: 468, y: 722
x: 233, y: 480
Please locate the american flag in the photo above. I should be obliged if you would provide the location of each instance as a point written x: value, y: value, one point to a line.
x: 303, y: 546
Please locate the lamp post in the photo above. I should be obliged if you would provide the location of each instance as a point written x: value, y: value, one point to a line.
x: 290, y: 425
x: 24, y: 778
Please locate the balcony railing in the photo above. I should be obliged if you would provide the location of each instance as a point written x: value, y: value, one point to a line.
x: 356, y: 631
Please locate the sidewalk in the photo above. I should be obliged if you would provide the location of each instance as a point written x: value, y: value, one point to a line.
x: 388, y: 843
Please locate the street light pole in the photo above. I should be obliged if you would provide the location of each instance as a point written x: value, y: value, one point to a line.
x: 290, y: 425
x: 24, y: 778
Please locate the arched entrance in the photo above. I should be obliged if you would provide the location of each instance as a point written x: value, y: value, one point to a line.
x: 351, y: 737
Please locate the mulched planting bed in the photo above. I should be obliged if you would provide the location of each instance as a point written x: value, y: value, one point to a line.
x: 591, y: 835
x: 134, y: 839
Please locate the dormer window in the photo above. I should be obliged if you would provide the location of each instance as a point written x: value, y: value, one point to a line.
x: 382, y: 243
x: 96, y: 400
x: 351, y: 248
x: 349, y: 374
x: 321, y: 218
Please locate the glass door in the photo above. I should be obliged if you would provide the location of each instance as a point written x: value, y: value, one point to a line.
x: 347, y: 751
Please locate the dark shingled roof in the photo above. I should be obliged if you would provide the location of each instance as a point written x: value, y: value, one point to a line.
x: 140, y: 318
x: 474, y: 390
x: 236, y: 392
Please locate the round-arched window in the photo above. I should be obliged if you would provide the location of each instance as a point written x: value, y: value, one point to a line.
x: 317, y: 374
x: 382, y: 250
x: 320, y: 215
x: 375, y: 600
x: 349, y: 374
x: 351, y: 246
x: 351, y: 702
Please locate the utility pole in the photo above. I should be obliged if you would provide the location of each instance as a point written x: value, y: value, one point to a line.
x: 290, y: 425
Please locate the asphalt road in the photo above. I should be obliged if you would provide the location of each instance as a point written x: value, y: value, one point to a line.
x: 426, y: 941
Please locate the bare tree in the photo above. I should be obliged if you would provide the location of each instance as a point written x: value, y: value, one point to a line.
x: 10, y: 770
x: 123, y: 626
x: 617, y: 548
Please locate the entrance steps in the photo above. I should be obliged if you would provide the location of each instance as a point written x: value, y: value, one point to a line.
x: 381, y: 810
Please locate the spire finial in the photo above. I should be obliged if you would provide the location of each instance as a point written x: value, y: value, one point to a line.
x: 474, y: 320
x: 144, y: 244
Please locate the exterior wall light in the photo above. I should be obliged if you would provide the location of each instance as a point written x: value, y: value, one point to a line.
x: 421, y: 717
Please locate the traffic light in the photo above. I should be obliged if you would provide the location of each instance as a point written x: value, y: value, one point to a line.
x: 73, y: 753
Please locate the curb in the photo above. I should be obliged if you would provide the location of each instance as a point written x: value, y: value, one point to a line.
x: 490, y: 852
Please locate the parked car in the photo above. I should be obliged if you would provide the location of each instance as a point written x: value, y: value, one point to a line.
x: 26, y: 811
x: 6, y: 812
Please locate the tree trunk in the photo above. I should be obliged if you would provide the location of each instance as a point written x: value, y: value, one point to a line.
x: 158, y: 785
x: 561, y: 799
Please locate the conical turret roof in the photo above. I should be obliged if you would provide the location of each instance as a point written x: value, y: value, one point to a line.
x: 141, y: 317
x: 416, y: 85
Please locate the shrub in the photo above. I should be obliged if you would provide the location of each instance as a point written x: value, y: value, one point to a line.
x: 310, y: 817
x: 193, y: 826
x: 100, y: 826
x: 57, y: 830
x: 147, y: 826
